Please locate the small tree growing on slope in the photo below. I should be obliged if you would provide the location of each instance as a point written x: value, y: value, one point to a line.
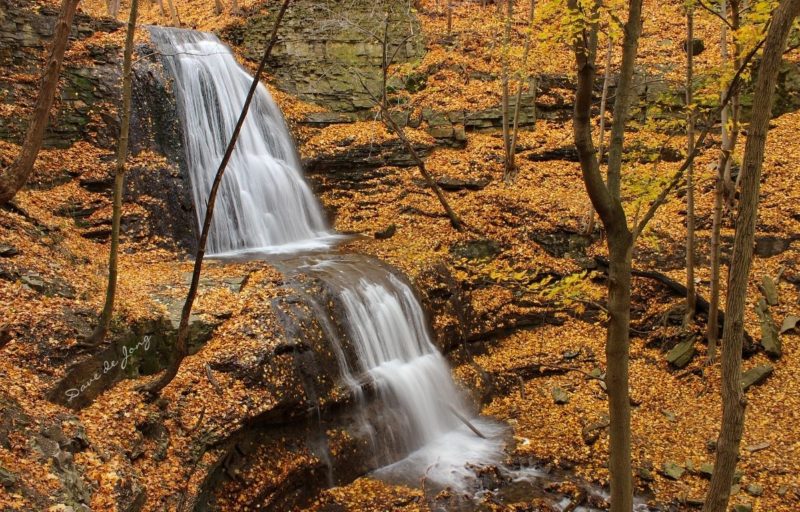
x: 13, y: 178
x: 119, y: 179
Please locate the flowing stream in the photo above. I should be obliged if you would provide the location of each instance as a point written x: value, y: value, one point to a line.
x: 265, y: 206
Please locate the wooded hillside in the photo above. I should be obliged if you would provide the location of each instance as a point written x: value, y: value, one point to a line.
x: 522, y: 165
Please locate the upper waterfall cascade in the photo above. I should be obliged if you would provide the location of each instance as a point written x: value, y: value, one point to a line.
x: 264, y: 202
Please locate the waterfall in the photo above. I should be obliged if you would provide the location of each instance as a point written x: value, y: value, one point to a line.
x: 394, y: 351
x: 263, y: 202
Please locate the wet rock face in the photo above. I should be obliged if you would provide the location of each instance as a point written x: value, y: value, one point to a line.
x: 316, y: 432
x: 311, y: 431
x: 160, y: 186
x: 87, y: 91
x: 87, y: 110
x: 155, y: 126
x: 446, y: 300
x: 322, y: 54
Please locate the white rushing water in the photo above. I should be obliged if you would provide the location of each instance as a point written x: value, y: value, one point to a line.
x: 419, y: 400
x: 264, y: 205
x: 263, y: 202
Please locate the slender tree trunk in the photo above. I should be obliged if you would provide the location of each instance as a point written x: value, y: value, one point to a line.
x: 113, y: 8
x: 733, y: 399
x: 385, y: 62
x: 182, y: 343
x: 729, y: 118
x: 690, y: 229
x: 218, y: 8
x: 604, y: 101
x: 712, y: 328
x: 607, y: 201
x: 13, y: 178
x: 521, y: 78
x: 507, y: 163
x: 712, y: 331
x: 449, y: 16
x: 235, y: 7
x: 173, y: 13
x: 590, y: 216
x: 620, y: 245
x: 731, y: 187
x: 119, y: 179
x: 630, y: 47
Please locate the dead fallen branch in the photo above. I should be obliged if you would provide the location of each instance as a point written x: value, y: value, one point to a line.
x: 465, y: 421
x: 701, y: 304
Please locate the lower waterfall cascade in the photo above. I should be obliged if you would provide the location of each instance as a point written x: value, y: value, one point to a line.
x: 265, y: 206
x: 394, y: 350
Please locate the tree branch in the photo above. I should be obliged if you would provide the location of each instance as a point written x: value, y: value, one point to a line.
x: 715, y: 13
x: 676, y: 178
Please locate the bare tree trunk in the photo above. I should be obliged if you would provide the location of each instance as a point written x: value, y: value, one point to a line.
x: 728, y: 116
x: 604, y: 100
x: 690, y: 229
x: 620, y: 248
x: 607, y: 201
x: 590, y: 217
x: 733, y: 399
x: 235, y: 7
x: 182, y: 345
x: 712, y: 328
x: 113, y: 8
x: 630, y: 46
x: 521, y: 78
x: 385, y: 62
x: 13, y: 178
x: 507, y: 163
x: 173, y: 13
x: 218, y: 8
x: 731, y: 187
x: 449, y: 16
x: 119, y: 179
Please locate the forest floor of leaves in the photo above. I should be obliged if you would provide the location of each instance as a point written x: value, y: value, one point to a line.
x: 50, y: 273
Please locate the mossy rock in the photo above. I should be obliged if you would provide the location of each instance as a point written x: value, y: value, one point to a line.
x: 672, y: 470
x: 681, y: 354
x: 756, y: 375
x: 483, y: 249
